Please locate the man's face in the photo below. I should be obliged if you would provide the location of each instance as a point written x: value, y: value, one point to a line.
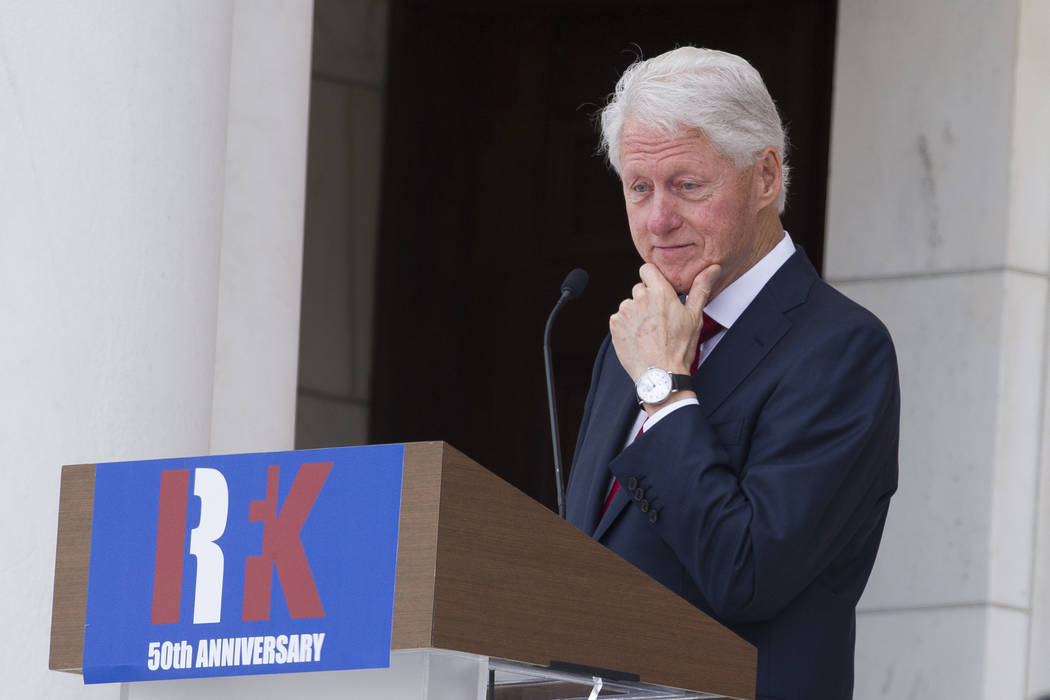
x: 688, y: 206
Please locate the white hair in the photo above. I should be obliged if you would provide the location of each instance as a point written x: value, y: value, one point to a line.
x: 688, y: 88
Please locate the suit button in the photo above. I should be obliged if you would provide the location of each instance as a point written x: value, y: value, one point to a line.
x: 644, y: 506
x: 653, y: 517
x: 639, y: 494
x: 632, y: 484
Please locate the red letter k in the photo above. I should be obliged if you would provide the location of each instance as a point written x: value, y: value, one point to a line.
x: 282, y: 548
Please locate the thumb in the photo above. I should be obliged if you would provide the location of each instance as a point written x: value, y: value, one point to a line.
x: 700, y: 292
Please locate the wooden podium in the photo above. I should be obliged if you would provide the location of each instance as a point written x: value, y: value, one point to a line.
x: 481, y: 569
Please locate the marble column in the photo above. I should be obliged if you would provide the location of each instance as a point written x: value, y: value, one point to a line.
x: 125, y: 310
x: 938, y: 220
x: 261, y: 262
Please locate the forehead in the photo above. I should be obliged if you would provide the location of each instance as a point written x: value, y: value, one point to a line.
x: 646, y: 150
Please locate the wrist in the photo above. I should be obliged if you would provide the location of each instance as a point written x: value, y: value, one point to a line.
x: 675, y: 397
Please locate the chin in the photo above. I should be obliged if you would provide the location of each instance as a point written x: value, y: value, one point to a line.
x: 681, y: 280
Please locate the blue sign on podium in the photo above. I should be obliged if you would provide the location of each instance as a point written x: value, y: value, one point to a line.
x: 243, y: 564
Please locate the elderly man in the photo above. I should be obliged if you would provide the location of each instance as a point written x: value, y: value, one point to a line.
x: 739, y: 446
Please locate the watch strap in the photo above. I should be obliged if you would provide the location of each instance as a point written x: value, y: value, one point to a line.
x: 681, y: 382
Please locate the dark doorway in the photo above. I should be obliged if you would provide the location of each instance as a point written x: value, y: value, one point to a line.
x: 491, y: 193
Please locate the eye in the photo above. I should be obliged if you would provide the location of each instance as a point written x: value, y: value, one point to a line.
x: 693, y: 189
x: 637, y: 191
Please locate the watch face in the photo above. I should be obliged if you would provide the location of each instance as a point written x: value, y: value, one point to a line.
x: 654, y: 385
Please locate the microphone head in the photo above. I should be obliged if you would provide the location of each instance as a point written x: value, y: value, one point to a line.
x: 575, y: 282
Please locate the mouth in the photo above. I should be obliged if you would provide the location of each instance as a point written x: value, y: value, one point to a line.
x: 672, y: 250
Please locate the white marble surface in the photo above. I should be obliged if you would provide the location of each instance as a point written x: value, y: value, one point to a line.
x: 1039, y: 634
x: 965, y: 653
x: 112, y: 137
x: 1019, y: 437
x: 262, y: 233
x: 935, y: 549
x: 939, y: 220
x: 1029, y: 245
x: 1006, y: 660
x: 921, y: 137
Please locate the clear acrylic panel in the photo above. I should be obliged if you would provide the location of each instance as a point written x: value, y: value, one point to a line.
x: 512, y: 680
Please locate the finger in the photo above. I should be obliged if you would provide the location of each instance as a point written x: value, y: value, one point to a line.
x: 654, y: 279
x: 700, y: 292
x: 637, y: 290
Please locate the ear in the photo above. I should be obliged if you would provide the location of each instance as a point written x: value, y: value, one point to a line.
x: 768, y: 177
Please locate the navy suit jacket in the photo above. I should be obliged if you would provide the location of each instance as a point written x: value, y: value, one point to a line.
x: 764, y: 505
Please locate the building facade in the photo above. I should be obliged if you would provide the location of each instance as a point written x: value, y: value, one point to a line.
x: 151, y: 249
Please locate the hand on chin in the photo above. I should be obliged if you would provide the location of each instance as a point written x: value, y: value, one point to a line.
x: 678, y: 276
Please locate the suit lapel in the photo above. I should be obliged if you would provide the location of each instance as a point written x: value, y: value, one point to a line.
x: 619, y: 502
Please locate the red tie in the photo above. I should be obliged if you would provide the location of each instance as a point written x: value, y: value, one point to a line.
x: 707, y: 331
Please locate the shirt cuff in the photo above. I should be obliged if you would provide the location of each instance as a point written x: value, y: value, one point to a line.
x: 666, y: 411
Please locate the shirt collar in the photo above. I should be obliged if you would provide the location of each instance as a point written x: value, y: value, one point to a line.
x: 730, y: 303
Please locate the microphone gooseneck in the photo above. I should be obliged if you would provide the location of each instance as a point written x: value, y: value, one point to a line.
x: 571, y: 287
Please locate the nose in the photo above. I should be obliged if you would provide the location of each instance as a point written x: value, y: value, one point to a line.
x: 663, y: 216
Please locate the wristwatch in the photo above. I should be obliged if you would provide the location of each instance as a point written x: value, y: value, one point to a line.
x: 655, y: 385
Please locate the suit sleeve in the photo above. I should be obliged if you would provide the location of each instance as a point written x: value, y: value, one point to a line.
x: 588, y: 406
x: 819, y: 468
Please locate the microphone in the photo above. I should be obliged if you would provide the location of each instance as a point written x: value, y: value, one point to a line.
x: 574, y: 284
x: 571, y: 287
